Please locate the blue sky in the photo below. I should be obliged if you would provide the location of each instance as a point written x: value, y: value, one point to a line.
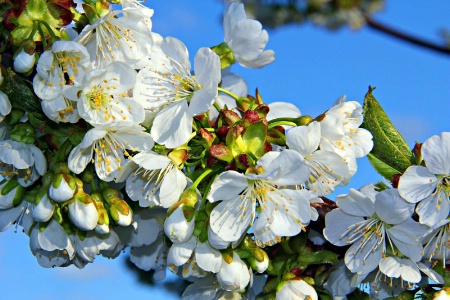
x: 313, y: 67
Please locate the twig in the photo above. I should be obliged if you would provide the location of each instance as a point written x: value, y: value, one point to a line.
x: 405, y: 37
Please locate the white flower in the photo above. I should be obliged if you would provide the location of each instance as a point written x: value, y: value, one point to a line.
x: 91, y: 244
x: 328, y: 169
x: 64, y: 107
x: 105, y: 96
x: 117, y: 38
x: 341, y: 133
x: 177, y: 228
x: 205, y: 256
x: 109, y: 144
x: 373, y: 225
x: 25, y: 162
x: 443, y: 294
x: 430, y: 184
x: 284, y: 212
x: 167, y: 83
x: 52, y: 246
x: 234, y: 275
x: 296, y: 289
x: 283, y: 110
x: 140, y: 14
x: 246, y: 37
x: 155, y: 180
x: 23, y: 62
x: 66, y: 58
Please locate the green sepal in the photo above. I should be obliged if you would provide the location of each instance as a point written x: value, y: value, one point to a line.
x: 188, y: 212
x: 57, y: 215
x: 389, y: 148
x: 225, y: 53
x: 42, y: 226
x: 18, y: 197
x: 90, y: 13
x: 9, y: 186
x: 254, y: 139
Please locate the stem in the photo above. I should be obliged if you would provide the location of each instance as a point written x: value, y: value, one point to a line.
x: 200, y: 178
x: 232, y: 95
x: 405, y: 37
x: 205, y: 193
x: 279, y: 123
x: 50, y: 31
x: 216, y: 106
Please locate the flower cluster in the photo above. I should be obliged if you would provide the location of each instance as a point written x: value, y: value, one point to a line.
x: 118, y: 141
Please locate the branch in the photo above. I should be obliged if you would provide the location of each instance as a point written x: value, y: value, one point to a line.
x: 405, y: 37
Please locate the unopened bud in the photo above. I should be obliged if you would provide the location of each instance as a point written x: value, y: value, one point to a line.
x: 304, y: 120
x: 62, y: 188
x: 177, y: 228
x: 23, y: 132
x: 24, y: 62
x: 82, y: 212
x: 103, y: 217
x: 11, y: 194
x: 189, y: 197
x: 44, y: 208
x: 443, y: 294
x: 258, y: 265
x: 120, y: 212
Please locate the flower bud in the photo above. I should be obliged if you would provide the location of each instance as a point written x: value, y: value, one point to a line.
x: 190, y: 198
x: 262, y: 110
x: 120, y: 212
x: 296, y: 289
x: 222, y: 132
x: 443, y: 294
x: 83, y: 212
x: 44, y: 208
x: 258, y: 264
x: 11, y: 193
x: 234, y: 274
x: 23, y: 132
x: 24, y: 62
x: 177, y: 227
x: 62, y: 188
x: 103, y: 217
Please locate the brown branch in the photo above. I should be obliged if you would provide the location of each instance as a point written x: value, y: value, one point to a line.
x: 405, y: 37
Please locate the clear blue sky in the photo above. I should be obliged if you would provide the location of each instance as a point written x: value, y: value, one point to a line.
x: 313, y: 67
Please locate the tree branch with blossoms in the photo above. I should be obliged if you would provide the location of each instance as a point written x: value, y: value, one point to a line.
x: 111, y: 138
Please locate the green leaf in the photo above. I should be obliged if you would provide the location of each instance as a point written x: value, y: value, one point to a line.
x: 390, y: 152
x: 403, y: 296
x: 254, y: 139
x: 323, y: 294
x: 316, y: 258
x: 20, y: 93
x: 358, y: 295
x: 382, y: 168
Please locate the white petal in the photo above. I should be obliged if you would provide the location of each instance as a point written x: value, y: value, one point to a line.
x: 79, y: 158
x: 337, y: 224
x: 436, y: 153
x: 283, y: 110
x: 83, y: 216
x: 391, y: 208
x: 230, y: 219
x: 433, y: 208
x: 396, y: 267
x: 406, y: 241
x: 180, y: 253
x: 173, y: 125
x: 207, y: 67
x: 356, y: 204
x: 208, y: 259
x: 304, y: 139
x: 416, y: 184
x: 173, y: 185
x: 227, y: 186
